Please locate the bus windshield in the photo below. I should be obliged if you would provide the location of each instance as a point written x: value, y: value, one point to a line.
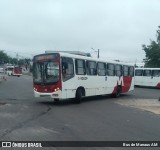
x: 46, y: 72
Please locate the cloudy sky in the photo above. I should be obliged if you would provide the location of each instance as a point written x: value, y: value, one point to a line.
x: 117, y: 27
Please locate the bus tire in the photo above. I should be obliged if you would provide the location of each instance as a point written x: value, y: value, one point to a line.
x: 56, y: 100
x: 118, y: 92
x: 79, y: 94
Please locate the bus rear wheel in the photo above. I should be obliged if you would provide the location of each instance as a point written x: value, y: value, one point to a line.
x: 79, y: 95
x: 118, y: 92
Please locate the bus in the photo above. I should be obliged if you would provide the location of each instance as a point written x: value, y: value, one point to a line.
x: 62, y: 75
x: 147, y: 77
x: 14, y: 71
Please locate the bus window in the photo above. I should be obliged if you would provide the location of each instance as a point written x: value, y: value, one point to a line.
x: 80, y: 67
x: 51, y: 72
x: 147, y: 73
x: 67, y: 68
x: 101, y: 67
x: 110, y: 70
x: 118, y: 70
x: 91, y: 68
x: 125, y: 70
x: 131, y: 71
x: 138, y: 72
x: 155, y: 73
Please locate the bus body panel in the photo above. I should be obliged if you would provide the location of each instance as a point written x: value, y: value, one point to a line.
x: 96, y: 85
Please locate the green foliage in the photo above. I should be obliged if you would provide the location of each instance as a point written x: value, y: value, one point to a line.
x: 153, y: 53
x: 3, y: 57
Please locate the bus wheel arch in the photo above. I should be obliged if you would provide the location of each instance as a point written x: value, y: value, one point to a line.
x: 80, y: 92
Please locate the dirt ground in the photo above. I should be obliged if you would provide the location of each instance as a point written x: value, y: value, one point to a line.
x: 151, y: 105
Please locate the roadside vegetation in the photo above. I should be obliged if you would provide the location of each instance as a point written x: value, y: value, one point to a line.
x: 152, y: 51
x: 5, y: 59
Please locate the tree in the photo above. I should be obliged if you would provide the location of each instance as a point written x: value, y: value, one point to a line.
x: 153, y: 52
x: 21, y: 62
x: 13, y: 61
x: 3, y: 57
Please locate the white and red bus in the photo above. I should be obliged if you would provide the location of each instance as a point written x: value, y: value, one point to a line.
x: 148, y: 77
x: 63, y: 75
x: 14, y: 71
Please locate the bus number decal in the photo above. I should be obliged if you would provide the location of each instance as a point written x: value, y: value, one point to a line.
x: 82, y: 78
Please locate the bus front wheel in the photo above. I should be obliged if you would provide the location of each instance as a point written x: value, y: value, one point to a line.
x: 56, y: 100
x: 79, y: 94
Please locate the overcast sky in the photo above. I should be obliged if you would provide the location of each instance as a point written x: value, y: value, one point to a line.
x: 117, y: 27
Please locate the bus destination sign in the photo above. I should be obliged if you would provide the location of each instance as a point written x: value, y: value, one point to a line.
x: 44, y: 57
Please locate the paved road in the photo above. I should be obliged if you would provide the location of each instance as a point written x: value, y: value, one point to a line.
x: 23, y: 117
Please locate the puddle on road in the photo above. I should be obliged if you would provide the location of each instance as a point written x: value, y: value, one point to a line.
x: 151, y: 105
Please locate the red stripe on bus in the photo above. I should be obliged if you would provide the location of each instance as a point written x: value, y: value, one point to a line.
x: 158, y: 86
x: 127, y: 84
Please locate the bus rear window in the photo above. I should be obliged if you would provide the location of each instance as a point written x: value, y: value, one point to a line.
x: 155, y: 73
x: 131, y: 71
x: 125, y: 70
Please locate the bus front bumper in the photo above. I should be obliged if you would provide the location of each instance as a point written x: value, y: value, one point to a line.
x: 56, y: 94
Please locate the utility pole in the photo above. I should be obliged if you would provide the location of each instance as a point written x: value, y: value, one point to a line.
x: 17, y: 58
x: 97, y: 52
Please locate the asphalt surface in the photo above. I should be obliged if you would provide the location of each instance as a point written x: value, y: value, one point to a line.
x: 23, y: 117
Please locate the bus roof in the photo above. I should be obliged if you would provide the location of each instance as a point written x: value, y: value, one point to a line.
x: 71, y: 52
x: 85, y: 57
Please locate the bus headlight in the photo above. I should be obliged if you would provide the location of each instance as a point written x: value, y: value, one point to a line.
x: 57, y: 89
